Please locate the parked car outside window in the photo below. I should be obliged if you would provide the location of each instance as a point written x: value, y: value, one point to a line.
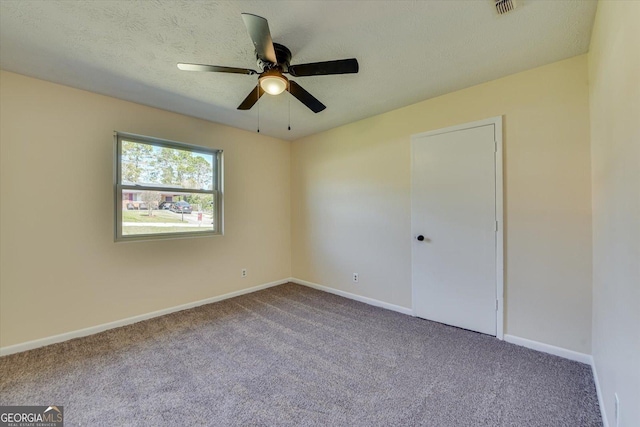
x: 181, y: 207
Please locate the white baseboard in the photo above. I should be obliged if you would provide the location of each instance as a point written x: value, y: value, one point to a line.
x: 603, y: 413
x: 30, y: 345
x: 551, y: 349
x: 355, y: 297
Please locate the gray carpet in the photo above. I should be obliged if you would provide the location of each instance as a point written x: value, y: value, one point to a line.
x: 291, y: 355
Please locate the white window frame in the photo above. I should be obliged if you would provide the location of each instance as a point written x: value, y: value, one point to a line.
x: 118, y: 187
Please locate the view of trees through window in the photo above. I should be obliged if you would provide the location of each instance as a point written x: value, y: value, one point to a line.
x: 166, y: 189
x: 148, y: 164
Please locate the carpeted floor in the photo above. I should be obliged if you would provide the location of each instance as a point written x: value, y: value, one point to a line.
x: 291, y: 355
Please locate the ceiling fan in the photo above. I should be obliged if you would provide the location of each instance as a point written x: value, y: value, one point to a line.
x: 273, y: 61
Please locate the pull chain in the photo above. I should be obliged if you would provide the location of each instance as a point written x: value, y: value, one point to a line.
x: 258, y: 102
x: 289, y: 127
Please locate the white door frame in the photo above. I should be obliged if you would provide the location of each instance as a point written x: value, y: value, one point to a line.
x: 497, y: 122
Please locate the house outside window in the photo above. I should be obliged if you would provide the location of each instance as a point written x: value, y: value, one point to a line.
x: 166, y: 189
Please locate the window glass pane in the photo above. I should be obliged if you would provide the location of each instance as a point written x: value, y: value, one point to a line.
x: 154, y: 212
x: 146, y: 164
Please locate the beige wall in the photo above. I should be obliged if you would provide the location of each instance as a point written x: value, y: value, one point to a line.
x: 348, y: 210
x: 351, y: 199
x: 61, y: 270
x: 614, y: 81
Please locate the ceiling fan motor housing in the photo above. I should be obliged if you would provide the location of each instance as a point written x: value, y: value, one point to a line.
x: 283, y: 55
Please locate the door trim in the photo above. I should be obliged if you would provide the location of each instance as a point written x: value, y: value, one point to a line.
x: 499, y: 192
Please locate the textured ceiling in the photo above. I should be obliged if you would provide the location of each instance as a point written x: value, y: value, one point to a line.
x: 408, y: 51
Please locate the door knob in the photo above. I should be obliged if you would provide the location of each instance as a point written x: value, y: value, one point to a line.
x: 420, y: 238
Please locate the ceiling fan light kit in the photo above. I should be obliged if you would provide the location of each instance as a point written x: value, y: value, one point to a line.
x: 273, y: 82
x: 273, y: 60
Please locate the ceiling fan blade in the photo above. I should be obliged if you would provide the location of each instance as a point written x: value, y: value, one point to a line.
x: 251, y: 99
x: 216, y: 68
x: 258, y: 28
x: 340, y: 66
x: 305, y: 97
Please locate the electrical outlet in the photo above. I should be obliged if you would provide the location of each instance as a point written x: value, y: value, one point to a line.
x: 617, y: 411
x: 356, y: 278
x: 243, y: 272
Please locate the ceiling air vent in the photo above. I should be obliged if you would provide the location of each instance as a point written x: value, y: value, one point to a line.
x: 505, y: 6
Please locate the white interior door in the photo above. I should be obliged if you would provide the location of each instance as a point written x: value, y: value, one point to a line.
x: 454, y: 209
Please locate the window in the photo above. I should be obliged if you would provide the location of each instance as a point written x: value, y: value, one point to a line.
x: 166, y: 189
